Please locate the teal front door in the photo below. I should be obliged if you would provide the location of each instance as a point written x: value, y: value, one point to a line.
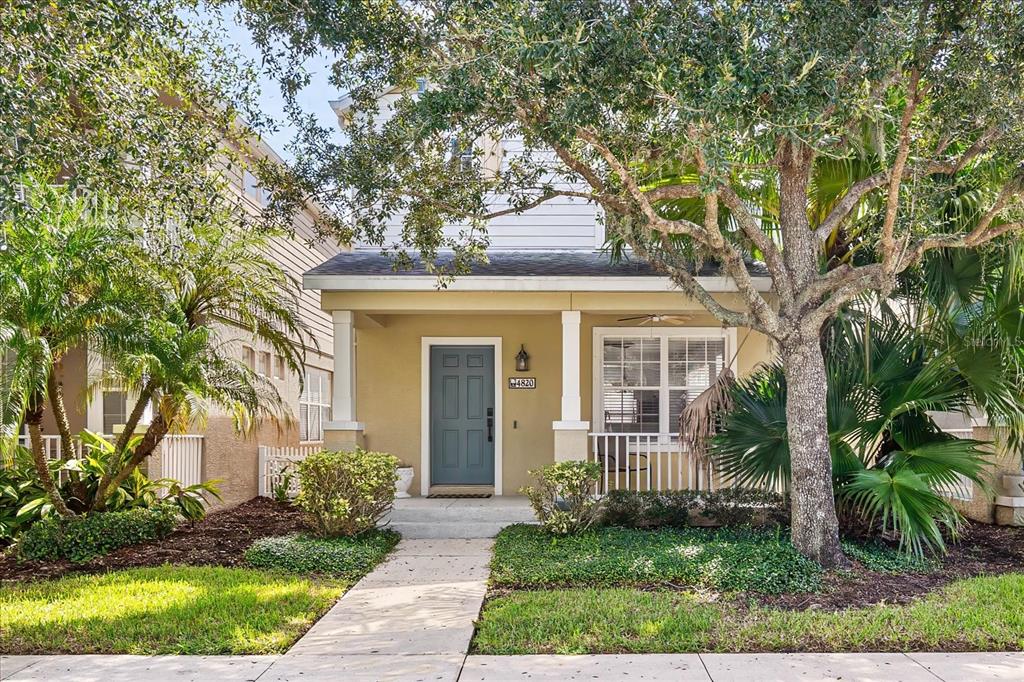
x: 462, y: 420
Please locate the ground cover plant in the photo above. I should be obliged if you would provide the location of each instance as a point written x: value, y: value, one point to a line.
x: 163, y: 610
x: 721, y: 559
x: 681, y: 508
x: 982, y: 613
x: 342, y: 557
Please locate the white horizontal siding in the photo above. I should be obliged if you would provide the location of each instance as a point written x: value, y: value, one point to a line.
x: 568, y: 223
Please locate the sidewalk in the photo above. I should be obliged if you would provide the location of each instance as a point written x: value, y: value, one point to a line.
x: 412, y: 619
x: 927, y: 667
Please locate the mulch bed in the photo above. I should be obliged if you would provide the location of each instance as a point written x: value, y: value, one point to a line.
x: 218, y: 540
x: 982, y: 550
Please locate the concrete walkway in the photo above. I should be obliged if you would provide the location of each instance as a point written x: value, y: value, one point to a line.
x: 931, y: 667
x: 412, y: 619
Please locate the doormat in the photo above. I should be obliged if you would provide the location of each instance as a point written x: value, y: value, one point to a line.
x: 458, y: 496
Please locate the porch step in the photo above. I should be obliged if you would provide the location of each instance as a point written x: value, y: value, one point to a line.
x: 419, y: 517
x: 448, y: 529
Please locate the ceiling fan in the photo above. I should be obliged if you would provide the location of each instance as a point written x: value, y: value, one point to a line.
x: 658, y: 319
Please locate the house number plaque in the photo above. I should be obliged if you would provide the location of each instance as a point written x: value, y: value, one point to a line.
x: 522, y: 382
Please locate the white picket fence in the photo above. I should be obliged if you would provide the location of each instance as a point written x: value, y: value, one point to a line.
x: 181, y: 458
x: 648, y: 461
x: 276, y: 464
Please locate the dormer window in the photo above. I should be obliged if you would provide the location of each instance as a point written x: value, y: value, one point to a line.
x: 421, y: 86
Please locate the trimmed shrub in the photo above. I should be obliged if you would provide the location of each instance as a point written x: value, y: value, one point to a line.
x: 346, y: 493
x: 563, y: 498
x: 345, y: 557
x: 81, y: 538
x: 681, y: 508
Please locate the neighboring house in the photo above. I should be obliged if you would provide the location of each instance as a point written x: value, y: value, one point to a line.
x: 218, y: 451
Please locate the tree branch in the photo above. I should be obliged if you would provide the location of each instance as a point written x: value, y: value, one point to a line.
x: 764, y: 243
x: 982, y: 233
x: 686, y: 281
x: 663, y: 225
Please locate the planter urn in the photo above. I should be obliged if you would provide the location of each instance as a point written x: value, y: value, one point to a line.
x: 403, y: 482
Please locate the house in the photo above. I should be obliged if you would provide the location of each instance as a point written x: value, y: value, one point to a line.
x: 550, y: 351
x: 218, y: 451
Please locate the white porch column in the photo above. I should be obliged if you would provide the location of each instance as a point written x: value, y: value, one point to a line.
x: 344, y: 430
x: 570, y: 431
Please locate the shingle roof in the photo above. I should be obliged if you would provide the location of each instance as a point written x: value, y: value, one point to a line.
x: 513, y: 264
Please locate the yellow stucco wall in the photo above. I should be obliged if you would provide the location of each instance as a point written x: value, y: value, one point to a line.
x: 388, y: 385
x: 389, y: 368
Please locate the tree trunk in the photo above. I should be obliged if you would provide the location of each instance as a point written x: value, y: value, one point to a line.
x: 154, y: 434
x: 815, y: 527
x: 55, y: 392
x: 34, y: 420
x: 121, y: 445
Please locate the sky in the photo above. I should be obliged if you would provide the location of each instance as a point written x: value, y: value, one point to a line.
x: 314, y: 99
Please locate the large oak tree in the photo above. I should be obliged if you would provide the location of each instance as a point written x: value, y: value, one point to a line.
x: 821, y: 137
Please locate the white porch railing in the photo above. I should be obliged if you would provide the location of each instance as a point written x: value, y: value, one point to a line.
x: 51, y: 446
x: 277, y: 463
x: 181, y: 458
x: 648, y: 461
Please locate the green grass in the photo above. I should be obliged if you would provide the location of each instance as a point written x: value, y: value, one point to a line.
x: 165, y: 610
x: 723, y: 559
x: 975, y: 614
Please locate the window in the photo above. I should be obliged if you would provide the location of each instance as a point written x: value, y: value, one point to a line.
x: 115, y: 410
x: 265, y: 362
x: 249, y: 357
x: 314, y: 405
x: 463, y: 154
x: 279, y: 367
x: 115, y: 402
x: 252, y: 189
x: 646, y: 378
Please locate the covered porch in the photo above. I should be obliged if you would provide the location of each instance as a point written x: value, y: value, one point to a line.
x: 432, y: 377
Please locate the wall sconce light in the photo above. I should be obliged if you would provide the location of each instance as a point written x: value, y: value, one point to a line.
x: 522, y: 360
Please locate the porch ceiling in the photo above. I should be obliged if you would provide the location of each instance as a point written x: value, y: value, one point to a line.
x: 378, y: 303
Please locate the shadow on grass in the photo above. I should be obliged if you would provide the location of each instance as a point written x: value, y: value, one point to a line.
x: 170, y: 609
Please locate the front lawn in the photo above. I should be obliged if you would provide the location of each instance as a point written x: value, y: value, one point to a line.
x: 985, y: 613
x: 163, y: 610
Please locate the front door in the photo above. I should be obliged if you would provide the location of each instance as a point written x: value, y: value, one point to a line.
x: 462, y: 420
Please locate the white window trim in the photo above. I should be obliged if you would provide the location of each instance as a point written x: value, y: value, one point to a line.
x: 425, y: 344
x: 663, y: 333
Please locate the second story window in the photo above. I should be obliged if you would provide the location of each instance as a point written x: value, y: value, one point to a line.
x: 252, y: 189
x: 463, y: 154
x: 249, y: 357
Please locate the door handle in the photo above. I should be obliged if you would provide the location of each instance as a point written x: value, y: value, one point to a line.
x: 490, y: 424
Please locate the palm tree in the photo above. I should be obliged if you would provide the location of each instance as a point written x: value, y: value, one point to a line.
x: 890, y: 363
x: 218, y: 283
x: 65, y: 281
